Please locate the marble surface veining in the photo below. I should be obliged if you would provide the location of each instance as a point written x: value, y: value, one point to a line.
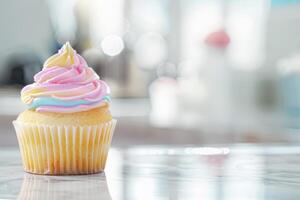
x: 167, y: 172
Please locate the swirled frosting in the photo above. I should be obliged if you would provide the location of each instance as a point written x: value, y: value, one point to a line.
x: 66, y: 85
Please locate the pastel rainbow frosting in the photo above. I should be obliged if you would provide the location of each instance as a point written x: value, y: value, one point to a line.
x: 66, y: 85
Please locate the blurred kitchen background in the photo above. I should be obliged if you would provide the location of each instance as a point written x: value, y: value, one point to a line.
x: 180, y: 71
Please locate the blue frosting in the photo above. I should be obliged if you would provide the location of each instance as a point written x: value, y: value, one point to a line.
x: 48, y: 101
x: 106, y: 98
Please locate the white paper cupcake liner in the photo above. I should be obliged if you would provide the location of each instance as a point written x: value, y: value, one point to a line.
x: 64, y: 149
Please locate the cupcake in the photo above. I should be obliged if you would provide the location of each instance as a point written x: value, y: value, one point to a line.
x: 67, y: 128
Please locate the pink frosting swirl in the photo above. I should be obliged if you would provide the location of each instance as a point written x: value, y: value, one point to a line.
x: 72, y: 88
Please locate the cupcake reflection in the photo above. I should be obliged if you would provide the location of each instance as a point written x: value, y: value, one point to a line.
x: 64, y: 187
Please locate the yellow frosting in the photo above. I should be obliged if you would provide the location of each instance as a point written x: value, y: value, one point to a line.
x: 28, y: 96
x: 62, y: 59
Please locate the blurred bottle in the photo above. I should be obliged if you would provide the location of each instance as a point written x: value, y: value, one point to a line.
x: 289, y: 72
x: 204, y: 94
x: 201, y: 93
x: 218, y: 76
x: 163, y: 93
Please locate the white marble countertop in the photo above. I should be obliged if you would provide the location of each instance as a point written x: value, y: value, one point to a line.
x: 167, y: 172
